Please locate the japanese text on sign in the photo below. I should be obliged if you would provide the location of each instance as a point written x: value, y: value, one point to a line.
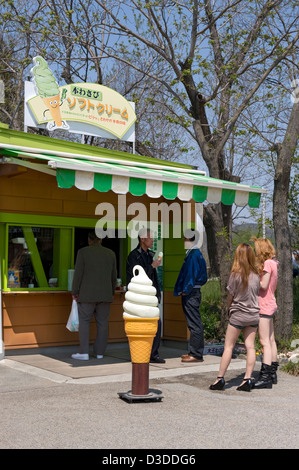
x: 100, y: 108
x: 86, y: 92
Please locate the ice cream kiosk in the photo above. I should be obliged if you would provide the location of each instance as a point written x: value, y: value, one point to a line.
x: 53, y: 191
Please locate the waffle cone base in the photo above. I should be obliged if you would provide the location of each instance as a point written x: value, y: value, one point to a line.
x: 140, y: 349
x: 141, y: 333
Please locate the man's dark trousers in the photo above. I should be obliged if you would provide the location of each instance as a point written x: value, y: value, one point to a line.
x: 156, y: 342
x: 190, y: 304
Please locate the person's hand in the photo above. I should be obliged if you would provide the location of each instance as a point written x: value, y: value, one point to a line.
x: 75, y: 297
x: 156, y: 263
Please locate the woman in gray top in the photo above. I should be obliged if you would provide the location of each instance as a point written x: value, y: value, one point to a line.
x: 243, y: 309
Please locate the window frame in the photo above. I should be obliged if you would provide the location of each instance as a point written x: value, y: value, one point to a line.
x: 64, y: 253
x: 36, y: 220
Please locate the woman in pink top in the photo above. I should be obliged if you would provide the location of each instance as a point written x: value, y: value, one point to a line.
x: 268, y: 268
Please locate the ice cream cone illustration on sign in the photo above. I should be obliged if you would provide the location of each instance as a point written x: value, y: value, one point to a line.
x: 141, y: 315
x: 47, y: 87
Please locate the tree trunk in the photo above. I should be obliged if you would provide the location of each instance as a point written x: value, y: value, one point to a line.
x: 284, y: 318
x: 285, y: 153
x: 221, y: 246
x: 217, y: 217
x: 211, y: 242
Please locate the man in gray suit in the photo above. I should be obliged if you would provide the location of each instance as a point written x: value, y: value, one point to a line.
x: 93, y: 288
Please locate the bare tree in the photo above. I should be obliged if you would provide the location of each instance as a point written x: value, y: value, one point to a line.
x: 16, y: 43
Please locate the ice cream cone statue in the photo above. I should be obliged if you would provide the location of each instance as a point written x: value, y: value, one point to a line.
x: 47, y: 87
x: 141, y: 315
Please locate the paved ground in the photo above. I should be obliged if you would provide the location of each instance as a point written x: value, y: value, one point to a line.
x: 49, y: 401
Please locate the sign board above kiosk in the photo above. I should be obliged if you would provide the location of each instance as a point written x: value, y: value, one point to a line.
x: 83, y: 108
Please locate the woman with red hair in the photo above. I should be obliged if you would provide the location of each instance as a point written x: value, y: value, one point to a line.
x: 243, y: 309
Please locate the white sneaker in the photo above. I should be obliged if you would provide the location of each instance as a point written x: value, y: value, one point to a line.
x: 99, y: 356
x: 81, y: 357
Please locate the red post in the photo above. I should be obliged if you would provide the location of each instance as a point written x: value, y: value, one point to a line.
x: 140, y: 378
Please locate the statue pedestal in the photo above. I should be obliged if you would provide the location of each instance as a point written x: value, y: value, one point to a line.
x: 140, y: 388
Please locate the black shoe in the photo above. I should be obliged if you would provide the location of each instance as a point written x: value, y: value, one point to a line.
x: 157, y: 360
x: 274, y: 367
x: 246, y: 387
x: 218, y: 385
x: 265, y: 379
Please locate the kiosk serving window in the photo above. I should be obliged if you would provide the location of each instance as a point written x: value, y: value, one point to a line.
x: 38, y: 257
x: 81, y: 240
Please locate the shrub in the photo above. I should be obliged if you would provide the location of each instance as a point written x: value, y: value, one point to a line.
x: 291, y: 368
x: 210, y: 310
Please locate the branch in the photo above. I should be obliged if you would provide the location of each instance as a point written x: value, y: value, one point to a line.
x: 253, y: 33
x: 252, y: 92
x: 122, y: 27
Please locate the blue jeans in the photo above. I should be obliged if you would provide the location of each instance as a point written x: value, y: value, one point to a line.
x: 190, y: 304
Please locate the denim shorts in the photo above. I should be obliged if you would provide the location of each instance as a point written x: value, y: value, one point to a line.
x: 268, y: 316
x: 244, y: 326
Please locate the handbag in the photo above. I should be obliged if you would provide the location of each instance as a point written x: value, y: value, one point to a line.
x: 73, y: 321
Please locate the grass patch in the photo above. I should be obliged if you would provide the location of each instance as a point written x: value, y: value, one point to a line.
x: 291, y: 368
x: 210, y: 309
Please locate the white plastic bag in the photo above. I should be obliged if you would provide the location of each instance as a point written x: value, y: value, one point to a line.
x: 73, y: 321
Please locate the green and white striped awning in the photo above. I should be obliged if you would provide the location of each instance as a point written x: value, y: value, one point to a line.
x: 169, y: 183
x: 154, y: 180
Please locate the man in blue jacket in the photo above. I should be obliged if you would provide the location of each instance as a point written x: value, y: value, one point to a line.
x: 192, y: 276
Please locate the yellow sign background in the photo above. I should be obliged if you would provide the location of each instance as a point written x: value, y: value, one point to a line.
x: 91, y: 104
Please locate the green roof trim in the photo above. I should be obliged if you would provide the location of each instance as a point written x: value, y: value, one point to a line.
x: 105, y: 170
x: 13, y: 138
